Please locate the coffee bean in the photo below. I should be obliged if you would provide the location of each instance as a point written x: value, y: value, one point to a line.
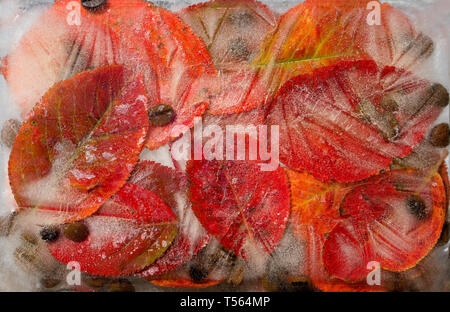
x: 92, y: 4
x: 161, y: 115
x: 197, y: 274
x: 439, y: 135
x: 76, y: 231
x: 417, y: 206
x: 121, y: 285
x: 49, y: 234
x: 9, y: 132
x: 438, y: 95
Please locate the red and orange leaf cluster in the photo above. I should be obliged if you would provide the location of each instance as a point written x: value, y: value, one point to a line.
x: 352, y: 113
x: 79, y: 144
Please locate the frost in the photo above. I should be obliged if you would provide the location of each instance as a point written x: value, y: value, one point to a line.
x: 82, y: 175
x: 108, y: 156
x: 289, y: 254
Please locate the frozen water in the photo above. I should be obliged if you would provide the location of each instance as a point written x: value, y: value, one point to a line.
x: 16, y: 17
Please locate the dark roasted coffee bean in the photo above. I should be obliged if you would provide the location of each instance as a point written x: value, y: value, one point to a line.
x: 197, y: 274
x: 238, y: 49
x: 417, y: 206
x: 49, y: 234
x: 161, y: 115
x: 439, y: 135
x: 92, y: 4
x: 9, y: 131
x: 438, y: 95
x: 76, y: 231
x: 121, y: 285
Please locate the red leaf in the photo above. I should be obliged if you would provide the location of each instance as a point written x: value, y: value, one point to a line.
x: 146, y: 39
x: 79, y: 145
x: 315, y: 269
x: 173, y: 60
x: 331, y: 219
x: 321, y: 33
x: 244, y: 208
x: 52, y: 50
x: 390, y: 41
x: 171, y: 186
x: 228, y: 29
x: 334, y: 125
x: 129, y: 232
x: 394, y: 218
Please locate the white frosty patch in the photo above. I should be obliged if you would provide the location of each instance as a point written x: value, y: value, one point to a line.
x: 160, y: 156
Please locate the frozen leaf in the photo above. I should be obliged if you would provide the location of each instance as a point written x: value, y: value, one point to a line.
x: 253, y: 117
x: 207, y: 268
x: 318, y: 212
x: 53, y: 50
x: 335, y: 123
x: 79, y: 145
x: 233, y: 32
x: 314, y: 213
x: 425, y: 155
x: 245, y: 208
x: 321, y: 33
x: 129, y: 232
x: 315, y: 269
x: 314, y: 203
x: 171, y: 186
x: 173, y: 60
x: 394, y: 218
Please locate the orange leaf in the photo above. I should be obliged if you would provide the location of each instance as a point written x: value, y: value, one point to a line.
x: 321, y: 33
x: 129, y: 232
x: 394, y: 218
x: 53, y: 50
x: 343, y: 232
x: 79, y: 144
x: 228, y: 29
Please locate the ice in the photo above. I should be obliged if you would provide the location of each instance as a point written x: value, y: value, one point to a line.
x: 15, y: 20
x: 160, y: 156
